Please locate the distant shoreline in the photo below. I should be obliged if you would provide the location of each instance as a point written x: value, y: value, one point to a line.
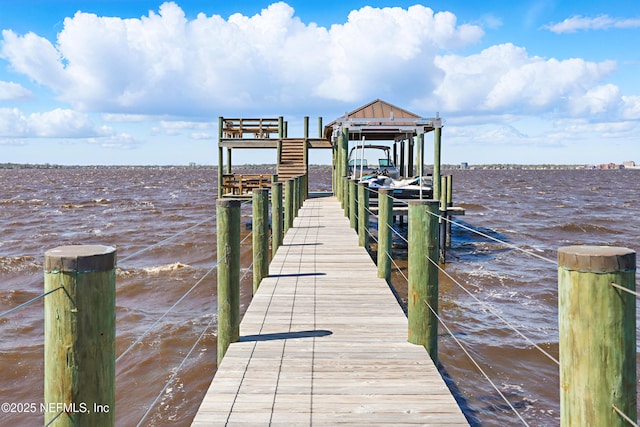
x: 272, y: 166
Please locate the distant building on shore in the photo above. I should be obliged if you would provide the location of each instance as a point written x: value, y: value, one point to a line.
x: 609, y: 166
x: 625, y: 165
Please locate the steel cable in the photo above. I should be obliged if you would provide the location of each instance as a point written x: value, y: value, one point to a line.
x: 476, y: 364
x: 176, y: 372
x: 137, y: 341
x: 167, y: 239
x: 490, y: 308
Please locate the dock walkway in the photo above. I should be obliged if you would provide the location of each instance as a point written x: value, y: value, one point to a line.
x: 324, y: 342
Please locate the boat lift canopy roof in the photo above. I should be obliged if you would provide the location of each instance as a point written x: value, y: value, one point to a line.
x: 381, y: 121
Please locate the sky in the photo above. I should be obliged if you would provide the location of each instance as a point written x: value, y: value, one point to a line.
x: 140, y: 82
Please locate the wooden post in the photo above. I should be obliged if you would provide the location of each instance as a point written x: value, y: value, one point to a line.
x: 220, y: 156
x: 442, y: 221
x: 423, y: 275
x: 334, y: 170
x: 294, y: 200
x: 303, y: 190
x: 363, y: 215
x: 345, y: 152
x: 410, y: 157
x: 279, y: 152
x: 305, y: 158
x: 228, y: 160
x: 260, y: 236
x: 288, y: 205
x: 597, y: 334
x: 437, y: 141
x: 421, y: 154
x: 228, y: 253
x: 395, y: 154
x: 385, y: 236
x: 338, y: 170
x: 403, y: 171
x: 345, y: 192
x: 80, y: 335
x: 449, y: 204
x: 296, y: 196
x: 320, y: 130
x: 276, y: 217
x: 353, y: 204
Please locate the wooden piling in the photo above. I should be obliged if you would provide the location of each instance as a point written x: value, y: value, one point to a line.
x: 346, y: 200
x: 300, y: 192
x: 288, y: 205
x: 305, y: 160
x: 79, y: 335
x: 437, y: 143
x: 403, y: 170
x: 345, y: 152
x: 449, y: 204
x: 228, y: 253
x: 296, y: 196
x: 385, y: 236
x: 423, y: 275
x: 353, y: 204
x: 277, y: 225
x: 410, y: 170
x: 338, y: 170
x: 260, y: 236
x: 220, y: 156
x: 363, y: 215
x: 597, y: 335
x: 442, y: 221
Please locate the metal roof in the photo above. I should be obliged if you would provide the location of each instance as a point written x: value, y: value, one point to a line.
x: 380, y: 120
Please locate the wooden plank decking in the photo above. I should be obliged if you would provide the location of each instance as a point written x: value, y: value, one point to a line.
x: 324, y: 342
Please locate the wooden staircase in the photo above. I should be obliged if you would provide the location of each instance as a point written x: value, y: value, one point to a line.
x: 291, y: 162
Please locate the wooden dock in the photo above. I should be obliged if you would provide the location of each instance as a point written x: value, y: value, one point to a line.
x: 324, y: 342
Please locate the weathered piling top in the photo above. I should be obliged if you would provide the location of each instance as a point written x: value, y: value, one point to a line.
x: 324, y: 342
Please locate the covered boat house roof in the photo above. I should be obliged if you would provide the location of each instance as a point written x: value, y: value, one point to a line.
x: 381, y: 121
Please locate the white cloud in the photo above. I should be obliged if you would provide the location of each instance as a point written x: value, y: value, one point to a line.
x: 58, y: 123
x: 504, y: 78
x: 127, y: 118
x: 164, y: 63
x: 120, y: 141
x: 631, y: 107
x: 35, y: 57
x: 178, y: 127
x: 10, y: 91
x: 597, y: 101
x: 602, y: 22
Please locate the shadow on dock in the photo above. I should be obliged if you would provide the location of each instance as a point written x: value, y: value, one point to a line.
x: 286, y: 335
x: 298, y: 274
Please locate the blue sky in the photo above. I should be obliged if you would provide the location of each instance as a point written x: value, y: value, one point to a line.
x: 143, y: 82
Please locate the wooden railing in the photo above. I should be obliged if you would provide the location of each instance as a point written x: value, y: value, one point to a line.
x: 251, y: 128
x: 238, y: 184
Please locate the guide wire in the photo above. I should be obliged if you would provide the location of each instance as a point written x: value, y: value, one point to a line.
x: 490, y: 308
x: 476, y: 364
x: 137, y: 341
x: 166, y: 240
x: 31, y: 301
x: 176, y: 372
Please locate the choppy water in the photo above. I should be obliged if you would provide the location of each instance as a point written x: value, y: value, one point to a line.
x: 138, y: 208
